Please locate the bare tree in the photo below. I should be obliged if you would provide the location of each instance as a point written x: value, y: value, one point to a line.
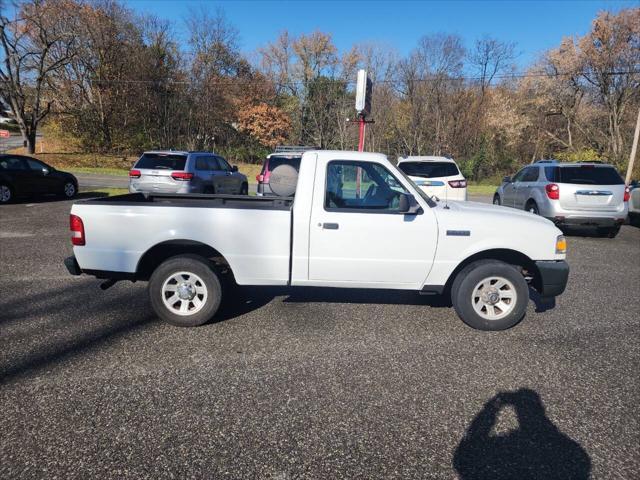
x: 490, y: 57
x: 36, y: 43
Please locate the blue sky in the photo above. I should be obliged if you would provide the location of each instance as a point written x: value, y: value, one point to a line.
x: 533, y: 25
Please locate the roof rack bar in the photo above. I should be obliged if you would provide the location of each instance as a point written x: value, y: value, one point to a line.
x: 294, y: 148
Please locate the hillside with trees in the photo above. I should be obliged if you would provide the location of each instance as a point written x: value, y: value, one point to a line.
x: 108, y: 80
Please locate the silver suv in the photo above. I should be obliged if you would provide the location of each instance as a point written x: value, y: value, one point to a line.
x: 186, y: 172
x: 569, y: 194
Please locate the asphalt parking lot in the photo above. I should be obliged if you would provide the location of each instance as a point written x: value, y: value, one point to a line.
x: 315, y: 383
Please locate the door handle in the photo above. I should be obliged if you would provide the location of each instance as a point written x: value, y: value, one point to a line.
x: 330, y: 226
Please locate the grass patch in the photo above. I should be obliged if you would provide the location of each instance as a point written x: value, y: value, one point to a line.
x: 108, y: 191
x: 100, y: 171
x: 481, y: 189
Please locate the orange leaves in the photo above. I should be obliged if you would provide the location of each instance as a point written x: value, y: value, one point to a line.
x: 269, y: 125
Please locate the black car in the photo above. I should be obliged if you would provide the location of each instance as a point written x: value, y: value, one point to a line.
x: 22, y: 176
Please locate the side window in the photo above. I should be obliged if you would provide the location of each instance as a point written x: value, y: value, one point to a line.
x: 551, y: 173
x: 201, y: 163
x: 518, y: 176
x: 13, y: 163
x: 223, y: 164
x: 352, y: 185
x: 530, y: 174
x: 213, y: 163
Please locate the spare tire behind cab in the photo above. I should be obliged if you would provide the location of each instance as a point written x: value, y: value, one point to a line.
x: 283, y: 180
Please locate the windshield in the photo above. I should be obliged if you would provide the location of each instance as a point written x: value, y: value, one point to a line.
x: 584, y: 175
x: 162, y: 161
x: 429, y: 169
x: 418, y: 190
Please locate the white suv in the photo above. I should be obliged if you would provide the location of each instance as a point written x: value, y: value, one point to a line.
x: 437, y: 176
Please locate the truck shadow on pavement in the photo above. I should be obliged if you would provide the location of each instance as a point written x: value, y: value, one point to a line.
x: 55, y: 327
x: 536, y: 449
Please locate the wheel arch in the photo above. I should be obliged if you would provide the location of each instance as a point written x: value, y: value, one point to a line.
x: 160, y: 252
x: 512, y: 257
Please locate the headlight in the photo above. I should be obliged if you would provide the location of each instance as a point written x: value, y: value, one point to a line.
x: 561, y: 244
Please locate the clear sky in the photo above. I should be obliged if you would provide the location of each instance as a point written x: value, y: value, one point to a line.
x: 533, y: 25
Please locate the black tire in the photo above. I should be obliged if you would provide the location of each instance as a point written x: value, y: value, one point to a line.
x: 532, y: 207
x: 634, y: 219
x: 609, y: 232
x: 496, y: 200
x: 244, y: 190
x: 472, y: 275
x: 6, y: 193
x: 69, y: 189
x: 201, y: 273
x: 208, y: 190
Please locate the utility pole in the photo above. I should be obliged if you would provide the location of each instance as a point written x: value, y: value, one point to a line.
x: 634, y: 149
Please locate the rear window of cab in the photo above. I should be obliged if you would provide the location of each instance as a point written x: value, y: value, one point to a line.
x: 429, y: 169
x: 160, y: 161
x: 584, y: 175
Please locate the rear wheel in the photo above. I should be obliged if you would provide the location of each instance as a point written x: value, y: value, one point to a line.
x: 69, y: 190
x: 6, y: 194
x: 244, y: 190
x: 532, y: 207
x: 185, y: 291
x: 496, y: 199
x: 490, y: 295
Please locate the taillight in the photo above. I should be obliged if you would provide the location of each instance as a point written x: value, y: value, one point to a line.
x: 260, y: 178
x: 627, y: 194
x: 182, y: 176
x: 134, y: 173
x: 458, y: 183
x: 77, y: 230
x: 553, y: 191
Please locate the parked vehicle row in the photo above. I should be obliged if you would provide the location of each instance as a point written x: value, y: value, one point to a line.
x: 184, y: 173
x: 569, y: 194
x: 393, y: 236
x: 22, y: 176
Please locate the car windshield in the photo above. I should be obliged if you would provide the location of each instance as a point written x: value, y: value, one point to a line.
x: 429, y: 169
x: 584, y: 175
x: 277, y: 161
x: 162, y: 161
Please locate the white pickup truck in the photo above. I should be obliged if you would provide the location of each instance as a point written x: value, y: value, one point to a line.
x: 354, y: 221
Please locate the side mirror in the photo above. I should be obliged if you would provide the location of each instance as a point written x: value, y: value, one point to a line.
x: 234, y: 168
x: 407, y: 204
x: 507, y: 179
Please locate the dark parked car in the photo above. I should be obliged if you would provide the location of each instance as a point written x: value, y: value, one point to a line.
x: 22, y: 176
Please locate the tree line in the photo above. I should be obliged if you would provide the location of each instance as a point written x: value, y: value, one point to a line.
x: 112, y: 80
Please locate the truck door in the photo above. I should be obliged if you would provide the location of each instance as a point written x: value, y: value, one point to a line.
x: 358, y: 236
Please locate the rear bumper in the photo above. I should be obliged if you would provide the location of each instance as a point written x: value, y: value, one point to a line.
x: 588, y: 220
x: 554, y: 275
x: 72, y: 266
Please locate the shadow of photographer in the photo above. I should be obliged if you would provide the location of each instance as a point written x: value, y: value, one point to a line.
x: 536, y: 449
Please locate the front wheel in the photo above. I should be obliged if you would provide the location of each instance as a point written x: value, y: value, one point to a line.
x: 490, y: 295
x: 244, y: 190
x: 185, y: 291
x: 496, y: 199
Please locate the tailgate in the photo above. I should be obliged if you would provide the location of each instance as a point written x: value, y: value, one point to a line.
x: 589, y: 197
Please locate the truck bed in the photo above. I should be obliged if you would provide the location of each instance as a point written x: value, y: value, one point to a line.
x: 252, y: 233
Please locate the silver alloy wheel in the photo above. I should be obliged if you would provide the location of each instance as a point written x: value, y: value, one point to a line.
x: 5, y: 193
x: 69, y: 189
x: 184, y: 293
x: 494, y: 298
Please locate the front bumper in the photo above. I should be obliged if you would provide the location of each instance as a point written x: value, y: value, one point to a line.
x: 72, y: 266
x: 554, y: 275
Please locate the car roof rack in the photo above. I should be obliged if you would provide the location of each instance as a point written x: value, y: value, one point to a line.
x: 294, y: 148
x: 547, y: 160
